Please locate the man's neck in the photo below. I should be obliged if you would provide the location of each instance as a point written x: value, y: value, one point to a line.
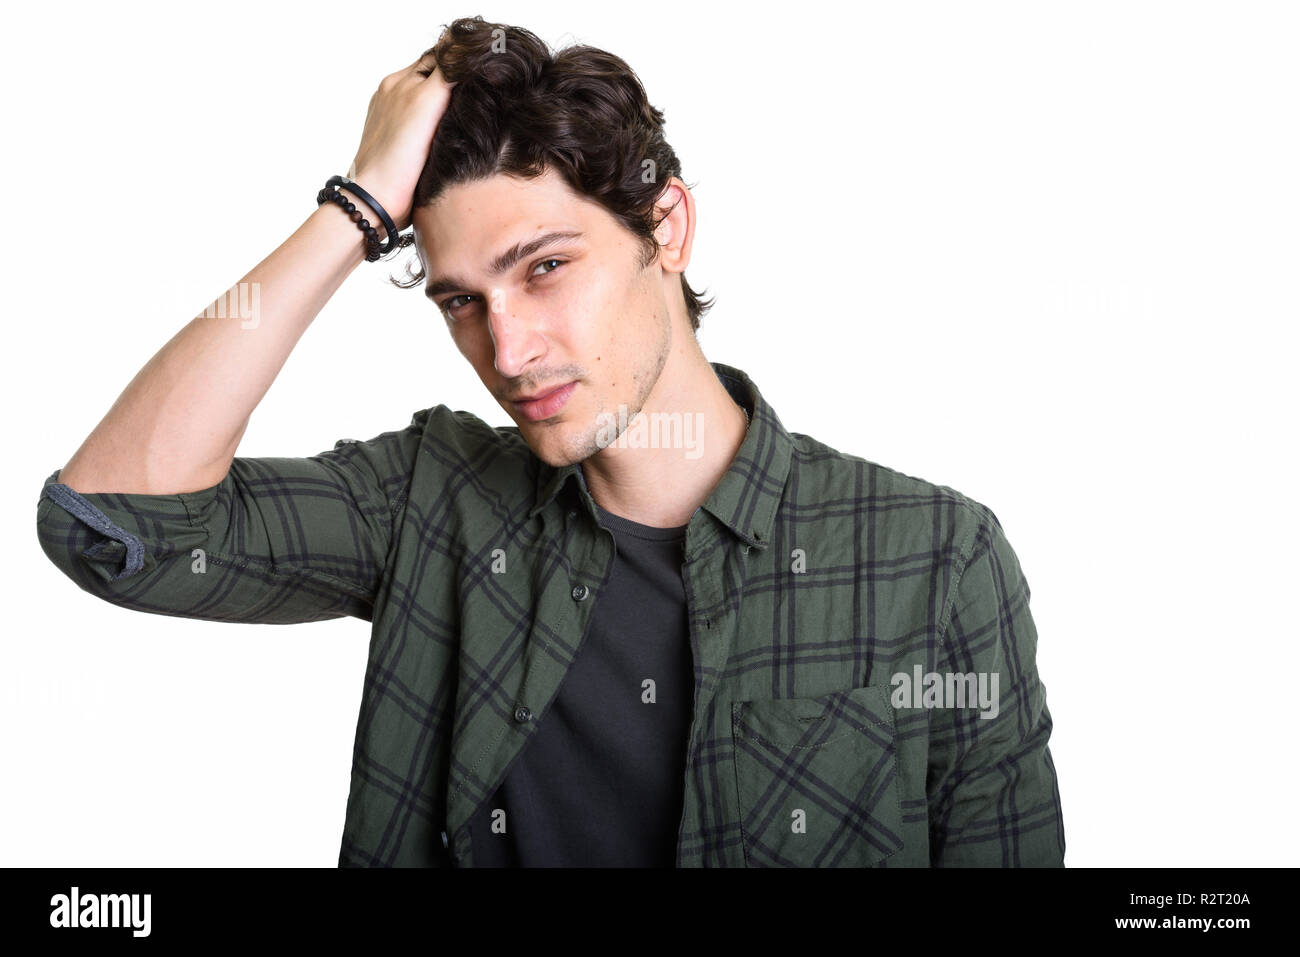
x: 663, y: 486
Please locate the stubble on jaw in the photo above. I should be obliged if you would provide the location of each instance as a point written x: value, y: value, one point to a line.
x: 645, y: 377
x: 582, y: 445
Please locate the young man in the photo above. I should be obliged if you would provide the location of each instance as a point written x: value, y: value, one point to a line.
x: 645, y: 624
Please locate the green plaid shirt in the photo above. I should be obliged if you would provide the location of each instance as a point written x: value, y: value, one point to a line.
x: 815, y: 583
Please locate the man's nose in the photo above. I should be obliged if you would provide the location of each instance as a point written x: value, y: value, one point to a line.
x: 515, y: 337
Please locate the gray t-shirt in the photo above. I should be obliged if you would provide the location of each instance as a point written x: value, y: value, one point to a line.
x: 600, y: 784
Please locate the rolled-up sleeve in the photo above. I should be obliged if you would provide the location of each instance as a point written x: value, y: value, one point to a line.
x: 276, y: 541
x: 992, y: 785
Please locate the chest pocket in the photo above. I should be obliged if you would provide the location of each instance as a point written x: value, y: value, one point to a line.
x: 817, y: 779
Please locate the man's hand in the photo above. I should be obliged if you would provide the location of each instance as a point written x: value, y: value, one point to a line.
x: 400, y: 123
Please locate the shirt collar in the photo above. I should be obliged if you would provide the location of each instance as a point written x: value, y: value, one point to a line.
x: 746, y: 499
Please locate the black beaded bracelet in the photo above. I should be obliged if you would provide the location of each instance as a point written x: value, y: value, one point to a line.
x: 331, y: 193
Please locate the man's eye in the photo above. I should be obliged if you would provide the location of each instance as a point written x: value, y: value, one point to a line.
x: 449, y: 306
x: 452, y: 304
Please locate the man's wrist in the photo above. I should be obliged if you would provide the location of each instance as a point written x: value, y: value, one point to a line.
x: 367, y: 214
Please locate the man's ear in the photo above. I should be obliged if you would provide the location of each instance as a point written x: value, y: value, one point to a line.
x: 675, y: 211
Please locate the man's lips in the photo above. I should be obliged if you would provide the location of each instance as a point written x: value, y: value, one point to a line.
x: 546, y: 404
x: 537, y: 395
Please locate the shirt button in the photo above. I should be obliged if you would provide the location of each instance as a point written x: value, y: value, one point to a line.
x: 522, y: 714
x: 573, y: 513
x: 579, y: 592
x: 444, y: 839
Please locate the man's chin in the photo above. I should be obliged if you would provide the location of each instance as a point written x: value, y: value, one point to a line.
x: 558, y: 450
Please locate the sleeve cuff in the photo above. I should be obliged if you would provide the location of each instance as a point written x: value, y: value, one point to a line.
x: 120, y: 552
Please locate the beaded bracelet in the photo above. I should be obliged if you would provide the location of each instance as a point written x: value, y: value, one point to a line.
x: 330, y: 193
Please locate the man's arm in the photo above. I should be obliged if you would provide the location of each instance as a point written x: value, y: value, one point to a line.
x: 991, y: 782
x: 177, y: 425
x: 276, y: 541
x: 155, y: 512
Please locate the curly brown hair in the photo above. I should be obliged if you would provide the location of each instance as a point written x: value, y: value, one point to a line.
x: 518, y: 109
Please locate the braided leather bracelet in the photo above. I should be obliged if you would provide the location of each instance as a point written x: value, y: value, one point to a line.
x: 331, y: 193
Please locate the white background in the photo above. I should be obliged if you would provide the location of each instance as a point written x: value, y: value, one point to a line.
x: 1043, y: 253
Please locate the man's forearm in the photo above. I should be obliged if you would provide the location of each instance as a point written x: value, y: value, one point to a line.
x: 176, y: 426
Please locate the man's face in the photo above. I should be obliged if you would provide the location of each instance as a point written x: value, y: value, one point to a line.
x: 578, y: 312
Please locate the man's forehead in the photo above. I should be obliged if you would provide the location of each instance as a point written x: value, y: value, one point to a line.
x: 505, y: 194
x: 521, y: 210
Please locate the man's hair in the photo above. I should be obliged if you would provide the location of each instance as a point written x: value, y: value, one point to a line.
x: 519, y: 109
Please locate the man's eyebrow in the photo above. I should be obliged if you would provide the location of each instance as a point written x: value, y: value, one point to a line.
x: 436, y: 287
